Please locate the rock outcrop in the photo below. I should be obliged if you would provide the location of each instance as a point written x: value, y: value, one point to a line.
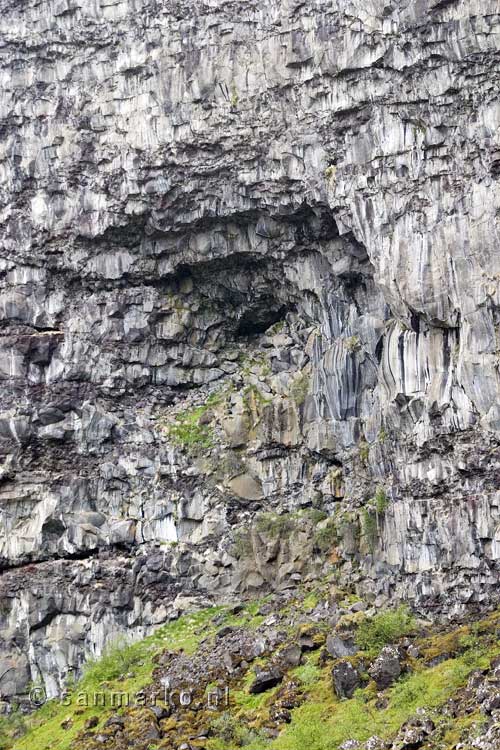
x: 250, y: 310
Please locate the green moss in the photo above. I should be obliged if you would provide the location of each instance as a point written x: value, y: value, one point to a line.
x: 275, y: 328
x: 382, y: 435
x: 242, y: 543
x: 308, y: 674
x: 324, y: 723
x: 234, y: 96
x: 44, y: 730
x: 369, y: 526
x: 252, y: 394
x: 309, y: 601
x: 454, y: 729
x: 371, y: 515
x: 446, y: 644
x: 231, y: 732
x: 315, y: 515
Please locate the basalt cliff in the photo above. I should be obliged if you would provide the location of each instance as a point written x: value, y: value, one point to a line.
x: 250, y: 311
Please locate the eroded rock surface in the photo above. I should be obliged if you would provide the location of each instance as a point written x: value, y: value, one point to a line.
x: 250, y: 309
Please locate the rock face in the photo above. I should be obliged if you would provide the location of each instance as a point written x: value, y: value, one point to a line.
x: 250, y: 309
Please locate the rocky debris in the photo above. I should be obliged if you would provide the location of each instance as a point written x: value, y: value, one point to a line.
x: 346, y: 679
x: 386, y: 668
x: 489, y: 740
x: 414, y: 734
x: 375, y: 743
x: 287, y: 697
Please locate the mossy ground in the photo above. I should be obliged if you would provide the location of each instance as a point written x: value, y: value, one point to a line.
x: 320, y: 721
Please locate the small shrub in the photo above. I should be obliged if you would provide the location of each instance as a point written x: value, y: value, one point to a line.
x: 234, y: 97
x: 308, y: 673
x: 352, y: 344
x: 326, y: 536
x: 121, y: 657
x: 232, y: 732
x: 242, y: 543
x: 381, y: 501
x: 330, y: 173
x: 274, y: 524
x: 188, y: 432
x: 384, y: 628
x: 364, y: 452
x: 315, y: 515
x: 300, y: 388
x: 369, y: 526
x: 12, y: 727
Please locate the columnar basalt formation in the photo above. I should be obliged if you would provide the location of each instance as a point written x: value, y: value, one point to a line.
x: 250, y: 310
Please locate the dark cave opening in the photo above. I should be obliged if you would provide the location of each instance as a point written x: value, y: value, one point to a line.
x: 254, y: 322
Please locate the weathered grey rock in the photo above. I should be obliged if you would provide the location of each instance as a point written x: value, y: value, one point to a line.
x: 266, y: 679
x: 386, y: 668
x: 413, y: 734
x: 293, y: 207
x: 338, y: 647
x: 346, y: 679
x: 291, y: 656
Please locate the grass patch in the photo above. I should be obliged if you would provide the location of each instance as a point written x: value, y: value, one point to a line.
x: 44, y: 731
x: 189, y: 433
x: 11, y: 727
x: 383, y: 628
x: 324, y: 723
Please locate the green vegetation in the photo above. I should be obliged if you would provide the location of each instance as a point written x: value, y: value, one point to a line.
x: 330, y: 173
x: 369, y: 527
x: 275, y: 328
x: 242, y: 543
x: 382, y: 435
x: 364, y: 451
x: 275, y: 524
x: 326, y: 535
x: 189, y: 432
x: 371, y: 515
x: 320, y: 720
x: 383, y: 628
x: 232, y: 732
x: 252, y: 396
x: 352, y: 344
x: 324, y: 723
x: 308, y: 674
x: 234, y: 96
x: 380, y: 501
x: 300, y: 388
x: 11, y: 727
x: 124, y: 668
